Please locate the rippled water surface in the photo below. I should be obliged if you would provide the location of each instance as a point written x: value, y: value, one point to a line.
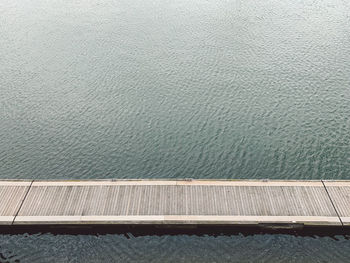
x: 181, y: 248
x: 174, y: 89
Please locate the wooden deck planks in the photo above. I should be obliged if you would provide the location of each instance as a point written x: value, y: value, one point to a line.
x: 11, y: 197
x: 177, y: 202
x: 339, y: 192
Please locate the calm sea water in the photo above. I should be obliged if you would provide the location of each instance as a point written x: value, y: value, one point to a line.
x: 174, y: 89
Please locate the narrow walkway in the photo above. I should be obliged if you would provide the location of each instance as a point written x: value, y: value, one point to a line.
x: 225, y: 202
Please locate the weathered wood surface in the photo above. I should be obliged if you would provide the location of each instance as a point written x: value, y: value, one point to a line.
x: 339, y: 192
x: 11, y: 196
x: 174, y: 202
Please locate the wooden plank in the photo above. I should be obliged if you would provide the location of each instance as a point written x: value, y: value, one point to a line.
x: 179, y: 182
x: 11, y: 197
x: 177, y: 202
x: 178, y: 220
x: 339, y: 192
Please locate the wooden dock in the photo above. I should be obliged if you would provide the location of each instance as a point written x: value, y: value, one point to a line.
x: 193, y: 202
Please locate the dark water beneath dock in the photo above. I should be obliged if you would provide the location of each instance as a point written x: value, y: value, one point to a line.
x: 168, y: 248
x: 174, y: 89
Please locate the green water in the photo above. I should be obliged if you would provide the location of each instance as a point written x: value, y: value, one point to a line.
x: 174, y: 89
